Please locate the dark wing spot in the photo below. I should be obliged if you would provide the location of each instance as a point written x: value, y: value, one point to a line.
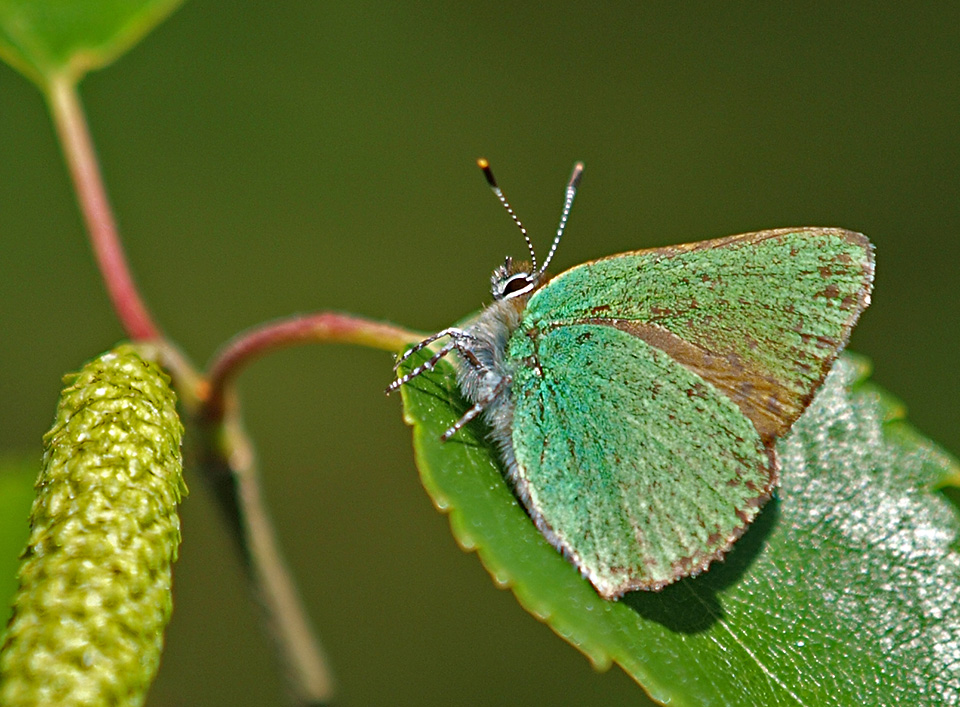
x: 831, y: 291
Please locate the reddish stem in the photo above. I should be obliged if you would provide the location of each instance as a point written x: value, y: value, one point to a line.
x: 71, y: 125
x: 320, y: 327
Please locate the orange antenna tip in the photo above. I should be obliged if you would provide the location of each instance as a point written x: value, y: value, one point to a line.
x: 483, y: 164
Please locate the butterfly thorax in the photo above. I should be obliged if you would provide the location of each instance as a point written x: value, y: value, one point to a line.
x: 483, y: 368
x: 485, y: 373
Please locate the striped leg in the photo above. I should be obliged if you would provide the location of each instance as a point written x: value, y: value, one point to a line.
x: 450, y: 331
x: 425, y: 366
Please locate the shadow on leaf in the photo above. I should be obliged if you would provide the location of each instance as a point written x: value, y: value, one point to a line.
x: 692, y: 605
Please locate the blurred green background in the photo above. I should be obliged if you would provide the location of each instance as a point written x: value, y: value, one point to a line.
x: 271, y: 158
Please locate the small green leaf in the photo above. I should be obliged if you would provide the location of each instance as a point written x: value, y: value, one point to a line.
x: 845, y: 590
x: 95, y: 577
x: 44, y: 39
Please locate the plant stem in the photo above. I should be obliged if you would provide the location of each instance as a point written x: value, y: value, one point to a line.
x: 71, y: 127
x: 231, y: 470
x: 320, y: 327
x: 223, y: 453
x: 226, y: 454
x: 229, y: 464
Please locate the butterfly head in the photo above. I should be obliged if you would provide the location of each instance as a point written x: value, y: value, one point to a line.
x: 513, y: 280
x: 509, y: 280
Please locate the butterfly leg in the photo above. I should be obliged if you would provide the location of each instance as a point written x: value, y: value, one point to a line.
x: 425, y: 366
x: 476, y: 408
x: 450, y: 331
x: 459, y: 340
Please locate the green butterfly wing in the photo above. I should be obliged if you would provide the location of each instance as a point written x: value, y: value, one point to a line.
x: 630, y: 464
x: 762, y: 316
x: 650, y: 388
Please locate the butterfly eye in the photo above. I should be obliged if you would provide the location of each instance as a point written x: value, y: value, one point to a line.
x: 504, y: 285
x: 517, y: 284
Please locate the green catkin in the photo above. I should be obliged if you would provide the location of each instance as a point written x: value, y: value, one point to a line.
x: 95, y: 577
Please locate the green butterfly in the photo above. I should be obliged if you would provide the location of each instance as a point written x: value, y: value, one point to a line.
x: 637, y: 399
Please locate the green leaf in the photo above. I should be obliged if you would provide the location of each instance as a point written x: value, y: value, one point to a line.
x: 46, y: 39
x: 17, y: 476
x: 845, y: 591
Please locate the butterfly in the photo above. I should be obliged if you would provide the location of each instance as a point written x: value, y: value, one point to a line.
x: 636, y: 400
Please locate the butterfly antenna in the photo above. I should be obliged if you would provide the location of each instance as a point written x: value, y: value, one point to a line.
x: 572, y: 186
x: 488, y: 173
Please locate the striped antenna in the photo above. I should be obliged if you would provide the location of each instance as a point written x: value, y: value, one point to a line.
x: 488, y: 173
x: 567, y: 204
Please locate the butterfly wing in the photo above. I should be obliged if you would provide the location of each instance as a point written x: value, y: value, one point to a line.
x: 630, y: 464
x: 761, y: 316
x: 651, y: 387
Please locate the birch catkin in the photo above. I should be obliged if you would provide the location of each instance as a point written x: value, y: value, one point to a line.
x: 94, y: 597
